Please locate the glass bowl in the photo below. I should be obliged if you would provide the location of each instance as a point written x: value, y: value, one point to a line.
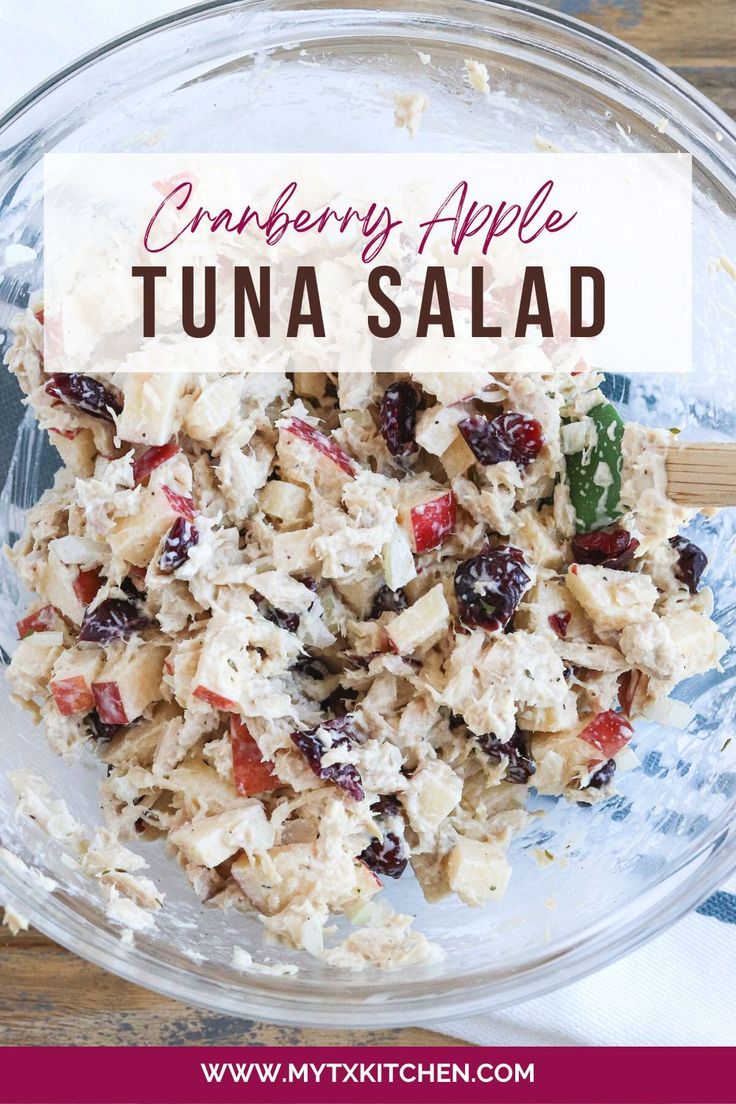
x: 281, y: 75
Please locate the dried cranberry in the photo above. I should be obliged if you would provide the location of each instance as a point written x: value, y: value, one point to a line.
x: 512, y: 436
x: 603, y: 775
x: 691, y: 562
x: 386, y: 805
x: 312, y: 668
x: 386, y: 856
x: 181, y: 538
x: 284, y: 620
x: 86, y: 393
x: 388, y: 601
x: 338, y: 701
x: 130, y: 587
x: 100, y: 730
x: 489, y: 587
x: 309, y: 583
x: 520, y: 765
x: 312, y: 748
x: 398, y: 418
x: 558, y: 622
x: 113, y: 619
x: 604, y: 548
x: 361, y: 662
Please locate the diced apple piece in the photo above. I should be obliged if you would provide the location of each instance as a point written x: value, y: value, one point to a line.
x: 42, y: 619
x: 77, y: 449
x: 307, y: 455
x: 218, y: 701
x: 195, y: 777
x: 428, y: 617
x: 287, y: 502
x: 55, y: 580
x: 129, y: 683
x: 217, y: 679
x: 32, y: 661
x: 294, y: 551
x: 357, y: 593
x: 430, y: 522
x: 612, y: 599
x: 79, y: 551
x: 181, y: 667
x: 608, y: 732
x: 297, y: 427
x: 72, y: 695
x: 457, y: 458
x: 182, y: 505
x: 151, y: 459
x: 431, y: 794
x: 289, y: 872
x: 137, y: 536
x: 252, y: 773
x: 150, y: 407
x: 86, y: 585
x: 214, y: 410
x: 398, y: 562
x: 437, y: 428
x: 477, y: 871
x: 210, y: 840
x: 72, y: 677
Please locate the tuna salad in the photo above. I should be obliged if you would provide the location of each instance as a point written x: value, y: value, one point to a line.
x: 329, y: 629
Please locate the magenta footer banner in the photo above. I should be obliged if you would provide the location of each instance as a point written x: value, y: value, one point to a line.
x: 391, y: 1075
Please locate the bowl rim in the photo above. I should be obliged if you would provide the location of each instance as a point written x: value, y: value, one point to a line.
x: 709, y: 863
x: 541, y: 11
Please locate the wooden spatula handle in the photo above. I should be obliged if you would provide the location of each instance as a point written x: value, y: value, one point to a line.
x: 702, y: 474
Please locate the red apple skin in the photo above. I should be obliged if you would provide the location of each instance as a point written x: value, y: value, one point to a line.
x: 86, y: 585
x: 252, y: 773
x: 180, y: 504
x: 608, y: 732
x: 216, y: 700
x: 322, y: 443
x: 70, y: 434
x: 559, y: 621
x: 72, y: 695
x: 433, y: 522
x: 628, y: 685
x: 152, y: 458
x: 109, y: 703
x: 39, y: 621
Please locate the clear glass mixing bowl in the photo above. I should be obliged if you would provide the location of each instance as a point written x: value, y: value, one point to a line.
x: 281, y: 75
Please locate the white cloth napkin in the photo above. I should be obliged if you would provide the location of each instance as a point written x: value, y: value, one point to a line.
x: 676, y: 991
